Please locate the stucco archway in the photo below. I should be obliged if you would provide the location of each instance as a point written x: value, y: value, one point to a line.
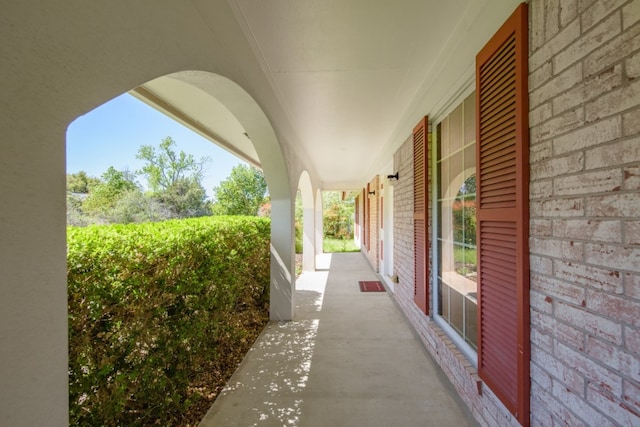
x: 254, y: 125
x: 53, y: 75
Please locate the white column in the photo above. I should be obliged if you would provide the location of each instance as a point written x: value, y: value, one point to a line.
x: 319, y: 225
x: 282, y: 305
x: 33, y: 284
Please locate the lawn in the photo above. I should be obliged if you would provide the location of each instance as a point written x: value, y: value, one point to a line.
x: 339, y: 245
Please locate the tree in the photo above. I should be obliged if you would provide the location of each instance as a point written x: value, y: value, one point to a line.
x: 165, y: 168
x: 104, y: 196
x: 80, y: 182
x: 175, y: 178
x: 185, y: 198
x: 242, y: 193
x: 338, y: 215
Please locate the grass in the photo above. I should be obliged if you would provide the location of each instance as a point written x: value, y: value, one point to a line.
x: 338, y: 245
x: 464, y: 255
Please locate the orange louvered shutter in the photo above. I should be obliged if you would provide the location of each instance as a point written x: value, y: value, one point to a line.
x: 420, y: 216
x: 502, y: 214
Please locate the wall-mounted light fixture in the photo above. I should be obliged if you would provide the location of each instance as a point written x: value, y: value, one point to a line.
x: 395, y: 176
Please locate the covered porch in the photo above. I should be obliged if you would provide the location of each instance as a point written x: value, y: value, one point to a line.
x: 350, y: 358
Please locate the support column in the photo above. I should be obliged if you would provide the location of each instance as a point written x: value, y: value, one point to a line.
x: 319, y: 216
x: 282, y: 306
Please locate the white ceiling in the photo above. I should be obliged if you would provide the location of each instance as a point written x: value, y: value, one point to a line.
x: 345, y: 71
x: 352, y: 76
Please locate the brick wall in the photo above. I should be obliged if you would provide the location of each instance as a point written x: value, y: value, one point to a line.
x: 585, y: 223
x: 585, y: 211
x: 403, y: 219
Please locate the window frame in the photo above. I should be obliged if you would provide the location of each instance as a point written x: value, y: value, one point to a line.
x: 467, y: 89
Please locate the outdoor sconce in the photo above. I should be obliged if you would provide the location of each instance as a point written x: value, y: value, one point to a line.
x: 395, y: 176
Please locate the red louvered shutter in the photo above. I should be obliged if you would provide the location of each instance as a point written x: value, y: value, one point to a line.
x: 367, y: 224
x: 364, y: 218
x: 381, y: 242
x: 502, y: 214
x: 420, y: 215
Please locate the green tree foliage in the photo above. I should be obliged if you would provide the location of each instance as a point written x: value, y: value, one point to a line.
x: 80, y: 182
x: 165, y: 168
x: 242, y: 193
x: 134, y: 206
x: 175, y: 179
x: 104, y: 196
x: 299, y: 222
x: 185, y: 198
x: 464, y: 213
x: 338, y: 215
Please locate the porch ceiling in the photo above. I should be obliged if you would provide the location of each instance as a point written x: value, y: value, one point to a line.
x: 346, y: 71
x: 348, y: 75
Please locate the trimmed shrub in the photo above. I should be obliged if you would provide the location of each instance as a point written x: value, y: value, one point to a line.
x: 155, y: 308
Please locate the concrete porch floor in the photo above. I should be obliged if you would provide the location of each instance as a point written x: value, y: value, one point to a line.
x: 349, y: 359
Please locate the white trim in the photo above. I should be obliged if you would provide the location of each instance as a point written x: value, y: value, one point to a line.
x: 456, y: 96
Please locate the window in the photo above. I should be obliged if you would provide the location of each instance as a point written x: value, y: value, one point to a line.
x: 457, y: 287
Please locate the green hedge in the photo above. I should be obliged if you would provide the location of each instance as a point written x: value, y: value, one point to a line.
x: 154, y: 308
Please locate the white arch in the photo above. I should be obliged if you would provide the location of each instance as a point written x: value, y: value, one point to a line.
x: 52, y: 74
x: 308, y: 215
x: 259, y: 130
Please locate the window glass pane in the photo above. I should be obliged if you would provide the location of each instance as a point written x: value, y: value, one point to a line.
x: 444, y: 174
x: 455, y: 129
x: 470, y: 161
x: 444, y: 152
x: 470, y: 119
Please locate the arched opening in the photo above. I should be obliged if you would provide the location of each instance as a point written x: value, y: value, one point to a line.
x: 57, y: 70
x: 242, y: 124
x: 169, y: 107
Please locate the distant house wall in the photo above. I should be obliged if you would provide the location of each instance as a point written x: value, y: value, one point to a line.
x: 584, y: 206
x: 584, y: 90
x: 372, y: 218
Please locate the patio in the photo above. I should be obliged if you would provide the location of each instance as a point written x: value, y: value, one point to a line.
x: 349, y: 359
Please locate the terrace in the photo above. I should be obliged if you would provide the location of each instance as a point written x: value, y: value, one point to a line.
x: 348, y: 359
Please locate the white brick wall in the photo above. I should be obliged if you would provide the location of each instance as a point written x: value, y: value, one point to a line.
x: 585, y: 205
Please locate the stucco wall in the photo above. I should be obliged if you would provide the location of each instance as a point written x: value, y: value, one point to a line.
x: 60, y: 60
x: 585, y: 205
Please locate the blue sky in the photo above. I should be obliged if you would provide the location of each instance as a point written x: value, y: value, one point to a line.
x: 111, y: 134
